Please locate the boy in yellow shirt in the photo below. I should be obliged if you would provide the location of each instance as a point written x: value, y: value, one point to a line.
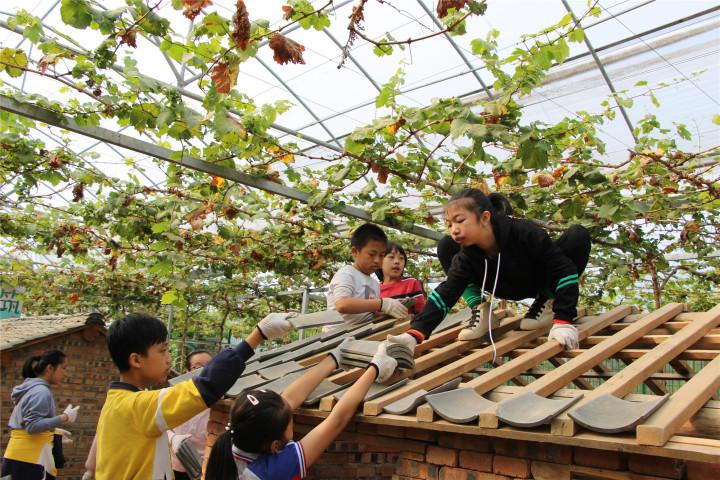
x: 131, y: 438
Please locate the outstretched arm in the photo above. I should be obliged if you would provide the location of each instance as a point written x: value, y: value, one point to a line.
x: 317, y: 441
x: 299, y: 390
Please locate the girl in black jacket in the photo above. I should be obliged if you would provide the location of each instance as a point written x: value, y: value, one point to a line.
x: 509, y: 257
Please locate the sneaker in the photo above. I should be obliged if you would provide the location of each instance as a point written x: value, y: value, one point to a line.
x: 538, y: 317
x: 479, y: 323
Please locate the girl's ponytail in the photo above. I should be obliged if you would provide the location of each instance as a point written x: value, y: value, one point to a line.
x: 28, y: 369
x: 36, y: 365
x: 221, y: 465
x: 500, y: 205
x: 477, y: 202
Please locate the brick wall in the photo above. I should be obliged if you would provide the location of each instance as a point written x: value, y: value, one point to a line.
x: 89, y: 372
x: 371, y: 451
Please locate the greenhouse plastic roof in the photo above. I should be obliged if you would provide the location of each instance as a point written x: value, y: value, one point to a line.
x: 675, y: 43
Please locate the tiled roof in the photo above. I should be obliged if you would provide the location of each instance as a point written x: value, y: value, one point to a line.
x: 18, y: 331
x: 471, y: 396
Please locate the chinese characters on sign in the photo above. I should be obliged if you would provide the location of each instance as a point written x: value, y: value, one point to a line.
x: 10, y: 305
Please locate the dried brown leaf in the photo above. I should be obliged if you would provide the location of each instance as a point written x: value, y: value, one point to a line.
x: 444, y: 5
x: 286, y: 50
x: 241, y: 26
x: 78, y: 192
x: 192, y: 8
x: 128, y: 37
x: 224, y: 76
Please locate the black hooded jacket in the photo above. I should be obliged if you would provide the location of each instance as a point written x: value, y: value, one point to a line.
x: 529, y: 262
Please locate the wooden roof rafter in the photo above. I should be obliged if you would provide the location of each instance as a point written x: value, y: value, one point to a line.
x: 685, y: 427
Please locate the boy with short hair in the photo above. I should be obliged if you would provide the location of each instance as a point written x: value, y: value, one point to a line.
x: 353, y: 292
x: 131, y: 439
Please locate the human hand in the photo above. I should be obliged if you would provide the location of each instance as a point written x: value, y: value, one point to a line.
x: 275, y: 325
x: 393, y: 307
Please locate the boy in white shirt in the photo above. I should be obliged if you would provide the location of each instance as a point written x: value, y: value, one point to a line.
x: 353, y: 292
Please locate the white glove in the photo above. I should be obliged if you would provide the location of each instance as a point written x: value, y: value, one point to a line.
x: 337, y: 353
x: 88, y: 475
x: 71, y: 412
x: 404, y: 339
x: 176, y: 441
x: 385, y: 364
x: 66, y: 440
x: 393, y: 307
x: 275, y: 325
x: 565, y: 334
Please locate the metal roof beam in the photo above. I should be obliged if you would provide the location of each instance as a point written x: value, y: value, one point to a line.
x: 455, y: 46
x: 187, y: 93
x: 299, y: 99
x: 352, y: 59
x: 562, y: 74
x: 335, y: 8
x: 146, y: 148
x: 603, y: 72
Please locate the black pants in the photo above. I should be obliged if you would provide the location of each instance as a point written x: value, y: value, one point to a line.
x: 18, y: 470
x: 181, y: 475
x: 574, y: 243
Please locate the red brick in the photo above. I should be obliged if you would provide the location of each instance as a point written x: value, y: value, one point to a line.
x: 365, y: 471
x: 418, y: 434
x: 660, y: 466
x: 482, y: 462
x: 391, y: 431
x: 414, y: 469
x: 511, y: 466
x: 702, y: 470
x: 369, y: 428
x: 600, y: 458
x: 418, y: 457
x: 549, y: 452
x: 511, y: 448
x: 442, y: 456
x: 549, y: 471
x: 372, y: 458
x: 333, y: 458
x: 464, y: 442
x: 334, y: 471
x: 450, y: 473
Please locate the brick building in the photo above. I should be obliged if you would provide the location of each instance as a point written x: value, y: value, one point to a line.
x: 90, y: 370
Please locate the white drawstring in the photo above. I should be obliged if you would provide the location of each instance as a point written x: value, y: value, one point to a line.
x: 490, y: 311
x: 482, y: 289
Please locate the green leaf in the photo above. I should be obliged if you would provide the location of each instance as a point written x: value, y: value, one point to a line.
x: 594, y: 178
x: 162, y: 268
x: 716, y: 119
x: 534, y: 154
x: 216, y: 24
x: 572, y: 208
x: 383, y: 50
x: 76, y: 13
x: 169, y: 297
x: 160, y: 227
x: 641, y: 83
x: 684, y: 132
x: 565, y: 20
x: 478, y: 8
x: 576, y: 35
x: 354, y: 147
x: 624, y: 102
x: 160, y: 246
x: 13, y: 61
x: 607, y: 211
